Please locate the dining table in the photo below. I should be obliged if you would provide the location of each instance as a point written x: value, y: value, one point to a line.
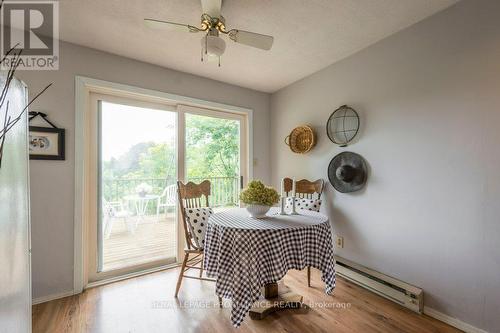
x: 245, y: 255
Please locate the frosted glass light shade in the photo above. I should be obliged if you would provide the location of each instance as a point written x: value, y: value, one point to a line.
x: 215, y: 46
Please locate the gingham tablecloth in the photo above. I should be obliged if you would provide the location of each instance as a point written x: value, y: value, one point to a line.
x: 244, y: 254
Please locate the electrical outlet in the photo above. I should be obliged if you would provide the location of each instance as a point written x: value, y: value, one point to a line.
x: 339, y: 241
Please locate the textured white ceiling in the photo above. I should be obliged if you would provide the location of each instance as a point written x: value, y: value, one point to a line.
x: 308, y: 34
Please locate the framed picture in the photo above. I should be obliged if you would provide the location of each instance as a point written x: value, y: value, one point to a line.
x: 46, y: 143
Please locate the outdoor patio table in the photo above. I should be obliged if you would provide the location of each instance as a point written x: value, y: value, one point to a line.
x: 245, y: 254
x: 141, y: 203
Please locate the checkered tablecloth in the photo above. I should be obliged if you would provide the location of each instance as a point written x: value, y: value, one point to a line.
x: 244, y: 254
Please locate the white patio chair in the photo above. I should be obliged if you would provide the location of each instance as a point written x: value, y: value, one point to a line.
x: 111, y: 211
x: 168, y: 198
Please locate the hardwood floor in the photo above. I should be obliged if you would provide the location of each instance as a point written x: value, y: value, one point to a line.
x: 146, y: 304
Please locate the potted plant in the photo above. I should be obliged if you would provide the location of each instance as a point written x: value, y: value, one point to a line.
x: 258, y: 198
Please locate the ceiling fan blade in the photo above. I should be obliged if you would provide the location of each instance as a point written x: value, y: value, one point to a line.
x: 165, y: 25
x: 211, y: 7
x: 253, y: 39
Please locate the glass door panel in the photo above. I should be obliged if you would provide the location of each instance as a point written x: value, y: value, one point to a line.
x: 137, y: 222
x: 213, y: 152
x: 137, y: 158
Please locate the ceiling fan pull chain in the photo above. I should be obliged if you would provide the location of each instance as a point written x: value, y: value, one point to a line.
x: 219, y: 61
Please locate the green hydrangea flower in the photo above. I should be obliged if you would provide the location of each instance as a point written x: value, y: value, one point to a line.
x: 257, y: 193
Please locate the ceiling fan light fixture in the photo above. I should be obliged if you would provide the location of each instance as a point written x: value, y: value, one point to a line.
x: 213, y: 24
x: 213, y: 45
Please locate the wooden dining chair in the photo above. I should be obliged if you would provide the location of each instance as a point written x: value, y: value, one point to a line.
x: 308, y: 190
x: 304, y: 188
x: 192, y: 196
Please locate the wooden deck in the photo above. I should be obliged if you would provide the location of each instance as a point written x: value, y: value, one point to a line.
x: 153, y: 239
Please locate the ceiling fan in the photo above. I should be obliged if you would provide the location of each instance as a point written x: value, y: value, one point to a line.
x: 213, y: 24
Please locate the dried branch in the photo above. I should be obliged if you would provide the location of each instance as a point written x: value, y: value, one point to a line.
x: 15, y: 120
x: 5, y: 122
x: 8, y: 122
x: 5, y: 89
x: 10, y: 76
x: 9, y: 52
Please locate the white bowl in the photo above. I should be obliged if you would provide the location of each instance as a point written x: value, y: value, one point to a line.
x: 258, y: 211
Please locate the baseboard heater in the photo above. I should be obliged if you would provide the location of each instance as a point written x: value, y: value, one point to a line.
x: 395, y: 290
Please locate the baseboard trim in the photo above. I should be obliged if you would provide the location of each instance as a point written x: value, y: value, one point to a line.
x: 52, y: 297
x: 452, y: 321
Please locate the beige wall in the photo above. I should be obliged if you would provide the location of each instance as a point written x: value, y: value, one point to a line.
x: 429, y: 101
x: 52, y: 182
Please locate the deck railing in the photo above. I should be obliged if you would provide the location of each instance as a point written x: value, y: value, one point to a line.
x: 225, y: 190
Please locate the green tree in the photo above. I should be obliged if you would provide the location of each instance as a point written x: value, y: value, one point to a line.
x: 212, y: 150
x: 212, y: 147
x: 157, y: 162
x: 126, y: 163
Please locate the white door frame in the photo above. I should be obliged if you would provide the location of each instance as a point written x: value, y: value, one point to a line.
x: 84, y: 86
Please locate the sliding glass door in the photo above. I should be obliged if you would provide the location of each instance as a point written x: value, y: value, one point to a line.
x: 140, y: 150
x: 213, y: 152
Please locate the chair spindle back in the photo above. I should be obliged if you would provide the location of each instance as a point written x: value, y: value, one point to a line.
x: 191, y: 196
x: 304, y: 188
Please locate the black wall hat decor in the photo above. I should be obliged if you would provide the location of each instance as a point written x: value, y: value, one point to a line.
x: 347, y: 172
x: 343, y: 125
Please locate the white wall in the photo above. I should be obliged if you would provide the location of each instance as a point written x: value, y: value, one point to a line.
x: 52, y: 182
x: 429, y: 101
